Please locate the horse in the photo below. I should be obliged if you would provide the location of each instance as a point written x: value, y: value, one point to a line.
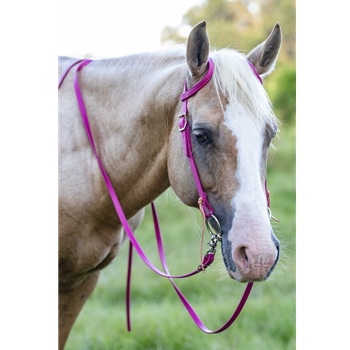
x: 133, y: 103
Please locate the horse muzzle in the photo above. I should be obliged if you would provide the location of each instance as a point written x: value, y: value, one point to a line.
x: 250, y: 262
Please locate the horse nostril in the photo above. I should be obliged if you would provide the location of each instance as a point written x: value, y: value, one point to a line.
x: 242, y: 257
x: 244, y: 253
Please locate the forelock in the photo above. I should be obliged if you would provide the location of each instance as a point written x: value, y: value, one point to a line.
x: 236, y: 81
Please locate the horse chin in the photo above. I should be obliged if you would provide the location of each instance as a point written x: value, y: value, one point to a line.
x: 239, y: 278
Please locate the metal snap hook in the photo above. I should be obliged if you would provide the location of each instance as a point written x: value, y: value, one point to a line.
x: 216, y: 234
x: 213, y: 232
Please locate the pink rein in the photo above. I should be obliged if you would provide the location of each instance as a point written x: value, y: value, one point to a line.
x: 209, y: 257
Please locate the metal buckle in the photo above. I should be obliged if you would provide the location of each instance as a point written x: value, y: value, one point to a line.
x: 183, y: 115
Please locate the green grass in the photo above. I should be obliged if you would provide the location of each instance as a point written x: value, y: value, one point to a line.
x: 159, y: 321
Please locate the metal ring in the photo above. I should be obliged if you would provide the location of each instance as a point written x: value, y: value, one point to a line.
x: 216, y: 234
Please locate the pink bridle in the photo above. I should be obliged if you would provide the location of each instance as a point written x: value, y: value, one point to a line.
x: 186, y: 136
x: 208, y: 211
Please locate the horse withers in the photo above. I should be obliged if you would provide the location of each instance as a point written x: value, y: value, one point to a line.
x: 133, y: 104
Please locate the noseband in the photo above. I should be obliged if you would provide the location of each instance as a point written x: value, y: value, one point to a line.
x: 207, y: 210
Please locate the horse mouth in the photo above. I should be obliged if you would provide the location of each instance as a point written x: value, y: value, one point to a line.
x: 258, y: 277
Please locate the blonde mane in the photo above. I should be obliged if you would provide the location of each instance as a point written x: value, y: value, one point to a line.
x: 234, y: 78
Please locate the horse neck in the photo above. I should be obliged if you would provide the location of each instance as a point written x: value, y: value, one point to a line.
x: 132, y: 103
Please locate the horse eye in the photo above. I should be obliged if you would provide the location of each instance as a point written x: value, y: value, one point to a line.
x: 200, y: 137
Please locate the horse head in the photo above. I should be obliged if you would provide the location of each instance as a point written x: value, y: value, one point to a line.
x: 231, y: 126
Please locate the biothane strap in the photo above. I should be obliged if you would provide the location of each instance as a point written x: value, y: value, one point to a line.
x: 186, y: 133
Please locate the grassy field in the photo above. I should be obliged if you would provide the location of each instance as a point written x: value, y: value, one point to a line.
x: 159, y: 321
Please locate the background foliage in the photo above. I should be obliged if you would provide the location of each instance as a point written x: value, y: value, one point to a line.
x: 158, y: 318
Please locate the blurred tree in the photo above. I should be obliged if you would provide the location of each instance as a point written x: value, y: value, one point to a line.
x: 281, y: 87
x: 243, y: 24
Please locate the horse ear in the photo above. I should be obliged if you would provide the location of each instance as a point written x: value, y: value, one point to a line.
x: 264, y: 56
x: 197, y: 50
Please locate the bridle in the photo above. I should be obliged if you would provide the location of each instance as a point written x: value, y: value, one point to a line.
x: 205, y: 207
x: 184, y: 128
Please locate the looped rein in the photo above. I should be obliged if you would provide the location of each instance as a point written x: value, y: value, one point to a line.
x: 204, y: 205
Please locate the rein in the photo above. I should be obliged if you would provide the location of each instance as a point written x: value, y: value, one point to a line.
x: 204, y: 205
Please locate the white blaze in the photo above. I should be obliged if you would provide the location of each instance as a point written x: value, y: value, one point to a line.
x: 249, y: 132
x: 253, y: 249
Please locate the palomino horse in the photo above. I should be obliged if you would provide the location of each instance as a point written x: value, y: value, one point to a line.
x: 133, y: 104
